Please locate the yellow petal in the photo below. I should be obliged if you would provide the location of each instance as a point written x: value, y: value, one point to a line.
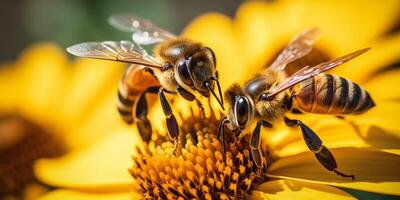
x: 337, y: 133
x: 76, y: 195
x: 375, y: 171
x: 384, y: 114
x: 288, y: 189
x: 100, y: 167
x: 216, y: 31
x: 350, y: 24
x: 363, y: 67
x: 33, y: 191
x: 378, y: 128
x: 91, y: 80
x: 102, y: 119
x: 395, y: 151
x: 10, y: 87
x: 42, y: 77
x: 263, y: 28
x: 385, y: 86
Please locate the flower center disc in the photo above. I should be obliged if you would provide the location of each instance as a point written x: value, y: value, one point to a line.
x: 200, y: 169
x: 21, y: 143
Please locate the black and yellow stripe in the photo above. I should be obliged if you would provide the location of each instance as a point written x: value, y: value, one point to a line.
x: 125, y: 105
x: 331, y: 94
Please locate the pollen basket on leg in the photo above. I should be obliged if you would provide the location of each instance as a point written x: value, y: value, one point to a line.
x: 199, y: 169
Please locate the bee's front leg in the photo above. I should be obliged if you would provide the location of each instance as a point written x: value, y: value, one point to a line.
x: 314, y: 143
x: 172, y: 124
x: 190, y: 97
x: 221, y: 132
x: 255, y: 141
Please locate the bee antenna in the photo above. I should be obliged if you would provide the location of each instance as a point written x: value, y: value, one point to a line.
x: 208, y: 85
x: 219, y: 87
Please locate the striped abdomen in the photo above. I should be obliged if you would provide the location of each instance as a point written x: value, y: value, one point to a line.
x: 330, y: 94
x: 134, y: 81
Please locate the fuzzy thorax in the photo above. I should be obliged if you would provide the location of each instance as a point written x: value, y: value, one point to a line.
x: 273, y: 109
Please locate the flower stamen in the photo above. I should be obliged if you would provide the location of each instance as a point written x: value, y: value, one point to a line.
x: 200, y: 169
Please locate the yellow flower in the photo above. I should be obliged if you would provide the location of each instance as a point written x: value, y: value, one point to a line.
x: 48, y: 105
x: 368, y: 146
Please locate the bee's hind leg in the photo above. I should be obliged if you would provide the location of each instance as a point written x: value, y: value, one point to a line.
x: 140, y: 114
x: 255, y: 141
x: 314, y: 143
x: 172, y: 124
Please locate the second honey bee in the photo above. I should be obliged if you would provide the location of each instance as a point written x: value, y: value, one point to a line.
x: 270, y: 94
x: 180, y: 66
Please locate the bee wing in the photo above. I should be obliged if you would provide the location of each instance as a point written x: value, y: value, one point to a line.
x: 143, y: 31
x: 123, y: 51
x: 308, y: 71
x: 297, y: 48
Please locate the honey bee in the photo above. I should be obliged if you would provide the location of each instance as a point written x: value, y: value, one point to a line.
x: 179, y: 66
x: 270, y: 94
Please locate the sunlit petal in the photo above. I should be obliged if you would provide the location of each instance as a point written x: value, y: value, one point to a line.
x: 76, y: 195
x: 337, y: 133
x: 101, y: 167
x: 216, y: 31
x: 384, y: 114
x: 101, y: 120
x: 263, y: 28
x: 91, y: 78
x: 9, y: 87
x: 350, y: 24
x: 385, y: 86
x: 366, y: 65
x: 42, y: 77
x: 375, y: 171
x: 288, y: 189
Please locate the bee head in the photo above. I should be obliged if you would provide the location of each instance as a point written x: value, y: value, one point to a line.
x: 198, y: 73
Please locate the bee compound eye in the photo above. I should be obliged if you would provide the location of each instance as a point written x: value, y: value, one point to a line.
x: 183, y: 72
x: 242, y: 110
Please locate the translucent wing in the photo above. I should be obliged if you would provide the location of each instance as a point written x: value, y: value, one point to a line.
x: 308, y: 71
x: 297, y: 48
x: 143, y: 31
x: 123, y: 51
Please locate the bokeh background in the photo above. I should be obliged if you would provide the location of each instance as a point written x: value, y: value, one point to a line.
x: 67, y: 22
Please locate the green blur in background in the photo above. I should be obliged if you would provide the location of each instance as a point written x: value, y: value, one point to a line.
x: 67, y: 22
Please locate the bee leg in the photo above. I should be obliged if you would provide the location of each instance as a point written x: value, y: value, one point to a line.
x: 172, y: 124
x: 201, y: 107
x: 340, y: 117
x: 296, y: 111
x: 255, y: 141
x: 221, y: 132
x: 140, y: 112
x: 314, y: 143
x: 190, y: 97
x: 185, y: 94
